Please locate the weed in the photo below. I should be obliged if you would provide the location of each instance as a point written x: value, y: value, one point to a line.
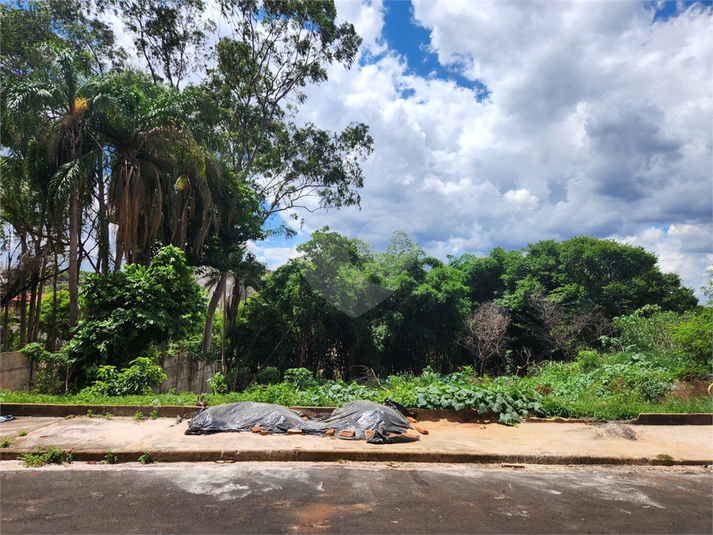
x: 108, y: 416
x: 664, y: 457
x: 51, y: 456
x: 154, y: 414
x: 110, y: 458
x: 138, y: 416
x: 145, y: 457
x: 90, y: 413
x: 6, y: 442
x: 22, y: 434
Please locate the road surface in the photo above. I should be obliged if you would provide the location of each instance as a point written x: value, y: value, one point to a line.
x: 326, y: 498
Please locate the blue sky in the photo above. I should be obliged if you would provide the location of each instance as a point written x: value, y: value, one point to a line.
x: 504, y: 123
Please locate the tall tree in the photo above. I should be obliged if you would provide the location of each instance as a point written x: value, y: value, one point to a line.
x: 158, y: 170
x: 170, y: 35
x: 57, y: 97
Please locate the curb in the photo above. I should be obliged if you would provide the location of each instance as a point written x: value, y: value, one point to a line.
x: 424, y: 415
x: 674, y: 419
x: 297, y: 455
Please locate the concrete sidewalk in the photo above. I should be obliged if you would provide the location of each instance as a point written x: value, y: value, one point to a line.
x: 549, y: 442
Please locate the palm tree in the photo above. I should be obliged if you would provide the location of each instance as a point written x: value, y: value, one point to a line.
x: 157, y: 167
x: 55, y: 100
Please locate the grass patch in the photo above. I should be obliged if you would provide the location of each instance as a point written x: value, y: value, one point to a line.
x: 5, y: 442
x: 22, y: 434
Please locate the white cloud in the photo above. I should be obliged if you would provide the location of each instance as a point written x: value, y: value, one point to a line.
x: 521, y: 198
x: 273, y: 257
x: 597, y: 123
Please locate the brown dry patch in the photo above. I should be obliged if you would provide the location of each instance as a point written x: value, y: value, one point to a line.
x: 544, y: 390
x: 685, y: 390
x: 317, y: 517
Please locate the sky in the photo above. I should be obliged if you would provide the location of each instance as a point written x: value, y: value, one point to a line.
x: 499, y: 124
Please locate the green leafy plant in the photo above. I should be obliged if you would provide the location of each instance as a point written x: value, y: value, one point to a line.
x: 138, y: 415
x: 90, y: 413
x: 139, y: 378
x: 154, y: 414
x: 134, y: 308
x: 300, y: 378
x: 5, y: 442
x: 218, y: 384
x: 22, y: 434
x: 41, y: 457
x: 145, y: 457
x: 110, y: 458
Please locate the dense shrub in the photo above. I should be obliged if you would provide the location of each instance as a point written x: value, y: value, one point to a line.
x: 138, y: 379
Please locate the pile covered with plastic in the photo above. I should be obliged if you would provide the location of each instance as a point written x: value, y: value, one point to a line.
x: 357, y: 420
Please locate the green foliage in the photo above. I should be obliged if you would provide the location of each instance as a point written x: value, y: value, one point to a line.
x: 5, y: 442
x: 694, y: 337
x: 217, y: 384
x: 110, y: 458
x: 138, y: 415
x: 154, y: 414
x: 131, y: 309
x: 300, y: 378
x: 588, y: 360
x: 41, y: 456
x: 62, y: 325
x: 53, y: 370
x: 145, y: 457
x: 22, y: 434
x: 647, y: 329
x: 139, y: 378
x: 269, y: 376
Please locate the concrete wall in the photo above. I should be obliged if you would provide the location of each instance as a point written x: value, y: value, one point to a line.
x: 14, y: 371
x: 184, y: 374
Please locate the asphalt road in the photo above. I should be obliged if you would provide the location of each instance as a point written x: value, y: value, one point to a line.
x: 353, y: 498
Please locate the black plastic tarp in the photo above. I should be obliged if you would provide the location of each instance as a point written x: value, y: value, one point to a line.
x: 356, y: 416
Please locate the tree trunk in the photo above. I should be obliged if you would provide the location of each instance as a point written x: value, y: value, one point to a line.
x: 52, y: 338
x: 212, y: 306
x: 103, y: 241
x: 6, y: 327
x: 74, y: 260
x: 23, y: 318
x: 33, y: 304
x: 38, y: 309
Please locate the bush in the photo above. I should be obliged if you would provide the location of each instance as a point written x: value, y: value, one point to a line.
x: 138, y: 379
x: 694, y: 338
x: 269, y: 376
x: 647, y: 329
x: 300, y: 378
x: 53, y: 369
x: 217, y: 384
x: 132, y: 309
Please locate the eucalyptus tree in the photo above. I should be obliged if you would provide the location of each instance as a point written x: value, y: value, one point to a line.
x: 274, y: 51
x: 27, y: 24
x: 170, y: 35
